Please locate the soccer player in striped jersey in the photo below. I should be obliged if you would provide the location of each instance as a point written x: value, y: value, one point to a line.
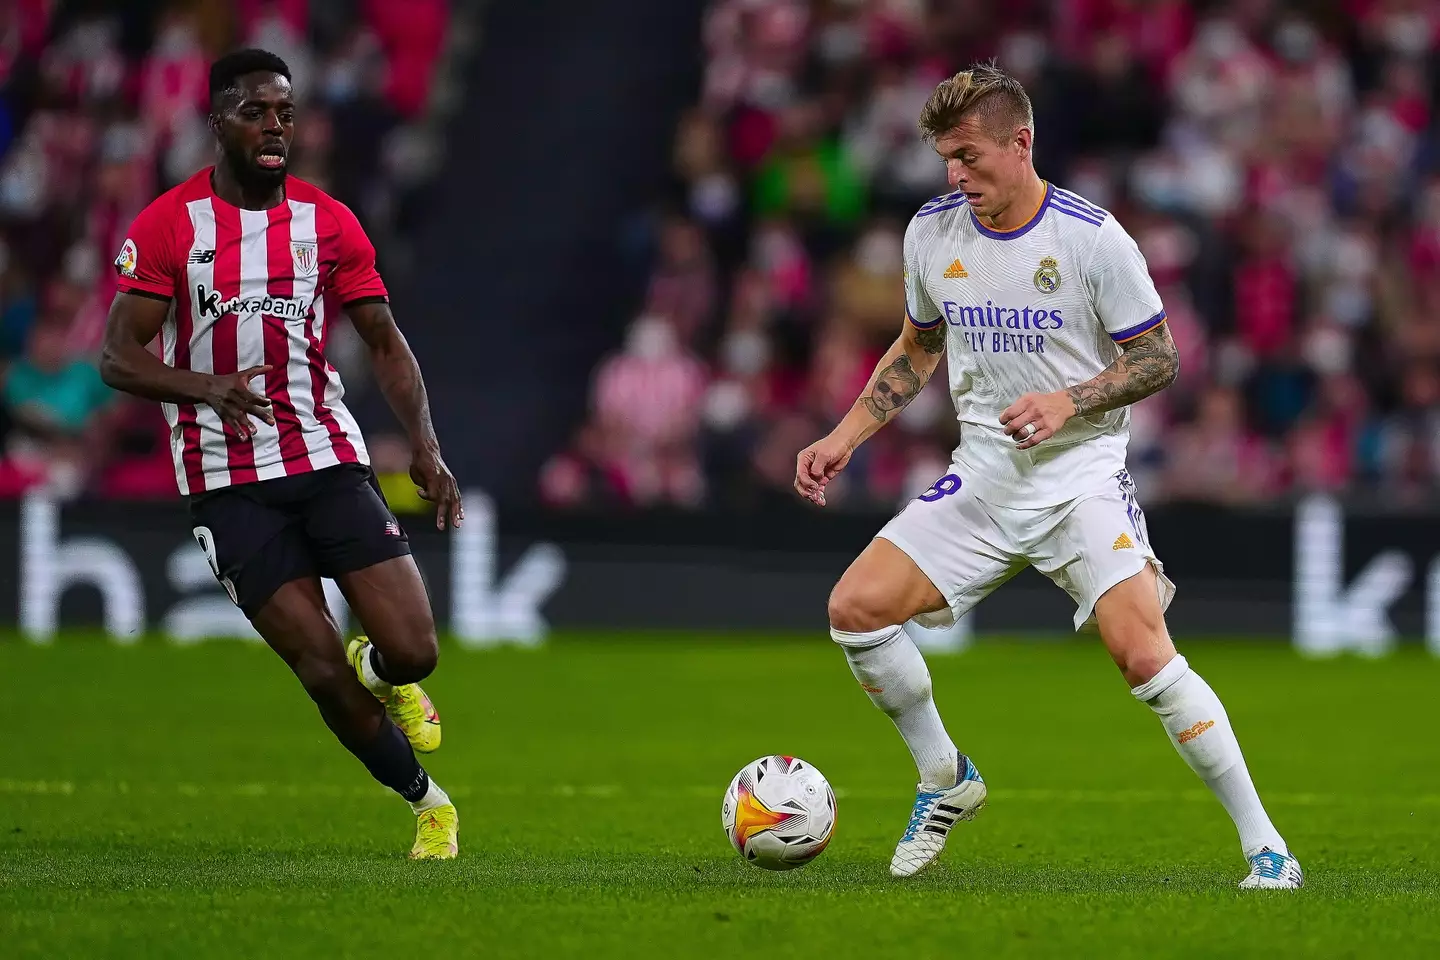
x: 1052, y: 328
x: 238, y: 271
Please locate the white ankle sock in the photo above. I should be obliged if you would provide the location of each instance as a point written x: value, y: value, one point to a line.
x: 892, y: 671
x: 1200, y: 729
x: 370, y: 678
x: 434, y: 797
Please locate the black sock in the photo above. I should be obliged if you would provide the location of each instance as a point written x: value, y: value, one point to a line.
x: 391, y: 761
x: 377, y: 663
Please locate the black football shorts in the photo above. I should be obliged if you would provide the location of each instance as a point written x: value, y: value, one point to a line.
x: 259, y: 536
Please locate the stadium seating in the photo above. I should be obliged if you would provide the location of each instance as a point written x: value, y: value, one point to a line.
x: 1277, y: 169
x: 99, y: 113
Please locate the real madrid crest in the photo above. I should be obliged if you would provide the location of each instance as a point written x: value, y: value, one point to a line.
x: 1047, y: 278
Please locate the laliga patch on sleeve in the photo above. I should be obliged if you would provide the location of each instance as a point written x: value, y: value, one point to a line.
x: 129, y: 256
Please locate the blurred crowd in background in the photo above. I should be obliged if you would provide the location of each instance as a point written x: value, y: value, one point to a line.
x: 1277, y: 164
x: 102, y: 108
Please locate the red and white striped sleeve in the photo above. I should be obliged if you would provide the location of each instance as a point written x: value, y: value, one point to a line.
x: 148, y: 263
x: 354, y: 276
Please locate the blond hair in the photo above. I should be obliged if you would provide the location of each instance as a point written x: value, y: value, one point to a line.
x: 985, y: 91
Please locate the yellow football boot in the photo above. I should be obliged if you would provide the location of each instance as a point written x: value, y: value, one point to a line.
x: 407, y: 705
x: 437, y: 834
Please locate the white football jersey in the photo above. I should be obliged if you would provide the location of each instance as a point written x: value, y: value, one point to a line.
x: 1038, y: 308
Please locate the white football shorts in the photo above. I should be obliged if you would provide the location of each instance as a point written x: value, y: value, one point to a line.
x: 968, y: 547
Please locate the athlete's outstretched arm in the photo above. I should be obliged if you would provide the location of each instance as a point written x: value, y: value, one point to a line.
x: 1146, y: 365
x: 899, y: 376
x: 127, y: 365
x: 398, y: 373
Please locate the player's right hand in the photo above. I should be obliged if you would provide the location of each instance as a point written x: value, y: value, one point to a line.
x: 230, y: 396
x: 818, y: 464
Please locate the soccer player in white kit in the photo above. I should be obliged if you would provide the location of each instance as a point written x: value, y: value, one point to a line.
x: 1053, y: 328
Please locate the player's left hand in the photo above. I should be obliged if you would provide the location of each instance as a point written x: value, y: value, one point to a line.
x: 1046, y: 412
x: 437, y: 485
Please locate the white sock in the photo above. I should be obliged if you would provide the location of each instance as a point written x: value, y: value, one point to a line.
x: 1199, y: 728
x: 892, y: 671
x: 370, y: 678
x: 434, y: 797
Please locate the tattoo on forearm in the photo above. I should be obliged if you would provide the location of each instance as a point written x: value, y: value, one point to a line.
x: 1148, y: 365
x: 932, y: 340
x: 896, y: 386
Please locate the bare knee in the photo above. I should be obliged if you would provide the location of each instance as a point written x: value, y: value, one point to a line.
x: 1132, y: 624
x: 409, y: 658
x: 394, y: 610
x: 881, y: 588
x: 1142, y: 660
x: 881, y: 591
x: 858, y: 610
x: 1139, y: 644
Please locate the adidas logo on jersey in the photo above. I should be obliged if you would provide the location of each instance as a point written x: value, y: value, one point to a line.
x: 956, y: 271
x: 1123, y: 542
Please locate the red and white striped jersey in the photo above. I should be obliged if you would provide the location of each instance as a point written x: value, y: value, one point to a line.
x: 252, y: 287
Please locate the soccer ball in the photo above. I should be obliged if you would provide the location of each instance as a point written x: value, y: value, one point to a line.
x: 779, y: 812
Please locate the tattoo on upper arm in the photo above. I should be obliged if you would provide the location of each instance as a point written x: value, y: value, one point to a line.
x: 931, y: 340
x: 1148, y: 365
x: 896, y: 386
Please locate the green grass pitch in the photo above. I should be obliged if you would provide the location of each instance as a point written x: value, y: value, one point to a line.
x: 158, y: 801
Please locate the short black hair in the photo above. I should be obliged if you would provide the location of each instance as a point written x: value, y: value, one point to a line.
x: 230, y: 68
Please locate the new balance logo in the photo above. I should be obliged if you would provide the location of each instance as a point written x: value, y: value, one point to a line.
x: 956, y: 271
x: 1187, y: 735
x: 392, y: 529
x: 1123, y: 542
x: 202, y: 256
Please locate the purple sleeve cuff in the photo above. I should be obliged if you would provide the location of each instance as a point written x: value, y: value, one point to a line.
x: 923, y: 326
x: 1130, y: 333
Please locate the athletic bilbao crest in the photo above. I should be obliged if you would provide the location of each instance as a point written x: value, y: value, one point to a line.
x: 307, y: 257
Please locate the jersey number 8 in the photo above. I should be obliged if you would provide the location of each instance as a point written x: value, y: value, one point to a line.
x: 943, y: 487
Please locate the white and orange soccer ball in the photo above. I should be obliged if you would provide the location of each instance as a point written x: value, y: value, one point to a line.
x: 779, y: 812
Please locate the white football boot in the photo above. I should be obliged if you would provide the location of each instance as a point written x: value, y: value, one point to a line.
x: 935, y: 812
x: 1273, y: 871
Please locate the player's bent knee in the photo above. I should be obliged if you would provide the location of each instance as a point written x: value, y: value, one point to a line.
x: 413, y: 660
x: 1144, y: 662
x: 1138, y: 650
x: 857, y: 609
x: 882, y: 588
x: 1132, y: 624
